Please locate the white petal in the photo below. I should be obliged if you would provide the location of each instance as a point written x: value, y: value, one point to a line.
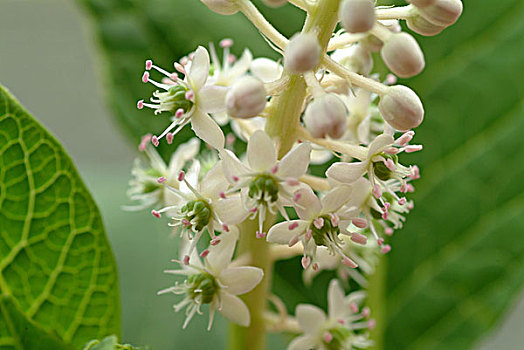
x: 234, y: 309
x: 379, y: 144
x: 265, y: 69
x: 194, y: 259
x: 308, y: 205
x: 231, y: 210
x: 221, y: 254
x: 241, y: 66
x: 281, y: 234
x: 221, y: 118
x: 295, y: 162
x: 346, y: 172
x: 214, y: 182
x: 206, y: 128
x: 335, y: 198
x: 304, y: 342
x: 336, y: 306
x: 233, y: 167
x: 360, y: 193
x: 240, y: 280
x: 261, y: 152
x: 310, y: 318
x: 212, y: 98
x: 199, y: 71
x: 183, y: 153
x: 191, y: 177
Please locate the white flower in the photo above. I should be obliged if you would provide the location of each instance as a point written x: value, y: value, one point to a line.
x: 202, y: 204
x: 216, y: 282
x: 336, y: 330
x: 266, y: 183
x: 146, y: 186
x: 321, y: 223
x: 190, y: 100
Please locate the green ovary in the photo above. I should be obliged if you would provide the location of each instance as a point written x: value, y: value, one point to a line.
x: 176, y: 95
x: 321, y: 235
x: 381, y: 170
x: 203, y: 286
x: 340, y: 337
x: 263, y: 186
x: 199, y: 210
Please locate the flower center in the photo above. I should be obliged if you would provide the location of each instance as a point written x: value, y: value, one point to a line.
x: 381, y: 170
x: 202, y: 288
x: 174, y: 99
x: 323, y: 231
x: 264, y: 189
x: 340, y: 335
x: 197, y: 213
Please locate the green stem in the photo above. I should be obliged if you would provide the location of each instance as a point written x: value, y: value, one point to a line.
x: 377, y: 303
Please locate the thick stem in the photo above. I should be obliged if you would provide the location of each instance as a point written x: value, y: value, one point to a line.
x: 284, y: 118
x: 377, y: 303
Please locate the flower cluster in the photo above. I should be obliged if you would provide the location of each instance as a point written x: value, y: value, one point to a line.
x: 322, y: 102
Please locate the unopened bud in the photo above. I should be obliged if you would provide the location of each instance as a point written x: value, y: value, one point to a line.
x: 302, y: 53
x: 401, y: 108
x: 357, y: 58
x: 422, y: 3
x: 403, y: 55
x: 357, y: 16
x: 422, y: 26
x: 442, y: 12
x: 274, y: 3
x: 246, y: 99
x: 223, y: 7
x: 326, y: 115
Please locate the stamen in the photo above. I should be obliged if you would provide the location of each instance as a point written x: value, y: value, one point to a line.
x: 405, y: 138
x: 388, y: 231
x: 225, y: 227
x: 306, y: 260
x: 328, y: 337
x: 366, y: 312
x: 292, y: 181
x: 190, y: 95
x: 386, y: 249
x: 154, y: 141
x: 169, y: 138
x: 222, y: 195
x: 180, y: 68
x: 149, y: 64
x: 413, y: 148
x: 293, y: 241
x: 360, y: 222
x: 181, y: 176
x: 156, y: 214
x: 377, y: 192
x: 349, y: 263
x: 315, y: 267
x: 293, y: 226
x: 226, y: 43
x: 274, y: 169
x: 161, y: 179
x: 140, y: 104
x: 179, y: 113
x: 145, y: 77
x: 260, y: 234
x: 359, y: 238
x: 204, y: 253
x: 319, y: 223
x: 353, y: 307
x: 186, y: 260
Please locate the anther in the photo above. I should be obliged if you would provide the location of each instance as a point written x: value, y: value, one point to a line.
x: 145, y: 77
x: 156, y: 214
x: 161, y: 179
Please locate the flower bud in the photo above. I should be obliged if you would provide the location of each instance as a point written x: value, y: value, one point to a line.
x: 422, y: 26
x: 274, y: 3
x: 326, y: 115
x: 443, y: 12
x: 223, y: 7
x: 302, y: 53
x: 357, y: 58
x: 422, y: 3
x: 357, y: 16
x: 402, y: 55
x: 401, y: 108
x: 246, y: 99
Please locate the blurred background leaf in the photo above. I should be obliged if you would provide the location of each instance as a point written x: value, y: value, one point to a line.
x: 56, y: 266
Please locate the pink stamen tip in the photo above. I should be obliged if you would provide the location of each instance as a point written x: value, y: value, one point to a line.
x: 353, y: 307
x: 225, y: 227
x: 392, y: 150
x: 145, y: 77
x: 191, y: 55
x: 360, y: 223
x: 190, y: 95
x: 315, y: 267
x: 372, y: 324
x: 319, y: 223
x: 179, y: 113
x: 222, y: 195
x: 180, y: 68
x: 391, y: 79
x: 293, y: 241
x: 231, y: 58
x: 173, y: 76
x: 184, y: 60
x: 402, y: 201
x: 274, y: 169
x: 186, y: 260
x: 292, y: 181
x: 169, y: 138
x: 410, y: 206
x: 181, y: 176
x: 349, y: 263
x: 405, y: 138
x: 390, y: 164
x: 293, y: 226
x: 149, y: 64
x: 385, y: 215
x: 161, y: 179
x: 306, y: 260
x: 260, y: 234
x: 230, y: 139
x: 377, y: 192
x: 204, y: 253
x: 309, y: 234
x: 235, y: 178
x: 366, y: 312
x: 156, y: 214
x: 386, y: 249
x: 253, y: 210
x: 388, y: 231
x: 341, y: 321
x: 226, y: 43
x: 380, y: 241
x: 334, y: 220
x: 359, y: 238
x: 154, y: 141
x: 215, y: 241
x: 297, y: 197
x: 142, y: 147
x: 140, y: 104
x: 328, y: 337
x: 413, y: 148
x: 146, y: 138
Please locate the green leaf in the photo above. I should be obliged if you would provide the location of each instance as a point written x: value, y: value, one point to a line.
x: 25, y: 334
x: 55, y: 261
x: 132, y: 31
x: 459, y: 262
